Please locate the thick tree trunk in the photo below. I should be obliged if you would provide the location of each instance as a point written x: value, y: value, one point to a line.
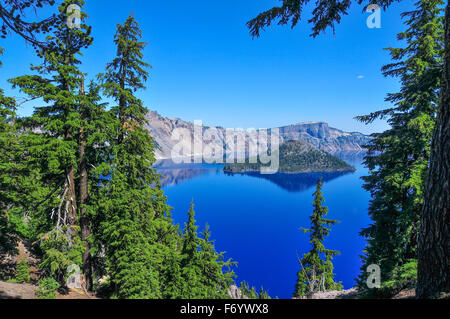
x: 434, y: 271
x: 72, y: 197
x: 84, y: 193
x: 70, y: 176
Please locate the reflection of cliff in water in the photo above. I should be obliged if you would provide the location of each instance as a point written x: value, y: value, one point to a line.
x: 296, y: 182
x: 171, y: 177
x: 174, y: 174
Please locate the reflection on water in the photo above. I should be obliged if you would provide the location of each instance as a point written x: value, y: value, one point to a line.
x: 256, y: 219
x: 170, y: 177
x: 296, y: 182
x: 175, y: 174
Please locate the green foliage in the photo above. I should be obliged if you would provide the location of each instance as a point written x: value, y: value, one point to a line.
x: 294, y: 158
x: 191, y: 241
x: 317, y: 271
x: 325, y: 14
x: 23, y: 272
x: 131, y: 237
x: 135, y: 225
x: 48, y: 160
x: 251, y: 293
x: 15, y: 178
x: 13, y: 13
x: 61, y: 250
x: 47, y: 288
x: 297, y: 157
x: 7, y: 240
x: 6, y: 113
x: 403, y: 277
x: 202, y: 270
x: 130, y: 261
x: 398, y: 158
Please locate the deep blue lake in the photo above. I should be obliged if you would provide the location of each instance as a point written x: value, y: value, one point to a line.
x: 256, y: 219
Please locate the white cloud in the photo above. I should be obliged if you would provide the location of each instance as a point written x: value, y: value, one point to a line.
x: 360, y: 77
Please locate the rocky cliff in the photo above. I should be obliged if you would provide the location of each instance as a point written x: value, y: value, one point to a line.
x: 325, y: 138
x: 318, y: 134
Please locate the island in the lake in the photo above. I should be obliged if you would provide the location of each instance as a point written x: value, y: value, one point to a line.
x: 296, y: 157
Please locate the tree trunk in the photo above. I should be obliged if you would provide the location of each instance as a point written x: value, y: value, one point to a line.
x: 84, y: 193
x: 122, y: 103
x: 70, y: 176
x: 433, y: 268
x: 72, y: 197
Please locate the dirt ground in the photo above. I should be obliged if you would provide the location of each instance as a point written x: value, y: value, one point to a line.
x: 28, y: 291
x: 344, y: 294
x: 17, y: 291
x: 353, y: 294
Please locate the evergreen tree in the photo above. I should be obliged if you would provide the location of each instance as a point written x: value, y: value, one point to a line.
x: 7, y: 145
x: 57, y: 82
x: 79, y: 180
x: 23, y: 272
x: 7, y: 133
x: 172, y: 279
x: 20, y: 183
x: 137, y: 227
x: 433, y: 248
x: 248, y: 292
x: 316, y: 272
x: 202, y: 268
x: 12, y: 15
x: 216, y: 272
x: 191, y: 240
x: 190, y: 263
x: 433, y: 252
x: 325, y: 14
x: 93, y: 155
x: 398, y: 158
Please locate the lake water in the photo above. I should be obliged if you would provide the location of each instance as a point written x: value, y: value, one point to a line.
x: 256, y: 219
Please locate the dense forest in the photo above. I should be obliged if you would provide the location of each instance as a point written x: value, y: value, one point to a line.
x: 409, y: 164
x: 78, y: 187
x: 77, y: 183
x: 296, y: 157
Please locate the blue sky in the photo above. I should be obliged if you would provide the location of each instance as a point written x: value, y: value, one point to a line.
x: 207, y: 67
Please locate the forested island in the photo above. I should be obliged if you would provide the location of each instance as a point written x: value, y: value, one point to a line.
x: 296, y: 157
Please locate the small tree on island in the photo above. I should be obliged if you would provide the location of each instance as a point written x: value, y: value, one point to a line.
x: 316, y: 272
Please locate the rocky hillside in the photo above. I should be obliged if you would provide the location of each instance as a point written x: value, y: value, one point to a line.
x: 325, y: 138
x: 318, y: 134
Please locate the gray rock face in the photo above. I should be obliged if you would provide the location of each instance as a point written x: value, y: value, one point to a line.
x: 235, y: 293
x: 344, y: 294
x: 325, y: 138
x: 318, y: 134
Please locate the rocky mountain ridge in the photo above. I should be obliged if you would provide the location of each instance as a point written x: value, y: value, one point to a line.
x: 319, y: 134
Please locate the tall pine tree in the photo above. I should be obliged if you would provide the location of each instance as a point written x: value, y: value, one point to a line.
x: 204, y: 273
x: 433, y: 252
x: 316, y: 272
x: 7, y: 164
x: 57, y: 82
x: 137, y: 226
x: 398, y: 158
